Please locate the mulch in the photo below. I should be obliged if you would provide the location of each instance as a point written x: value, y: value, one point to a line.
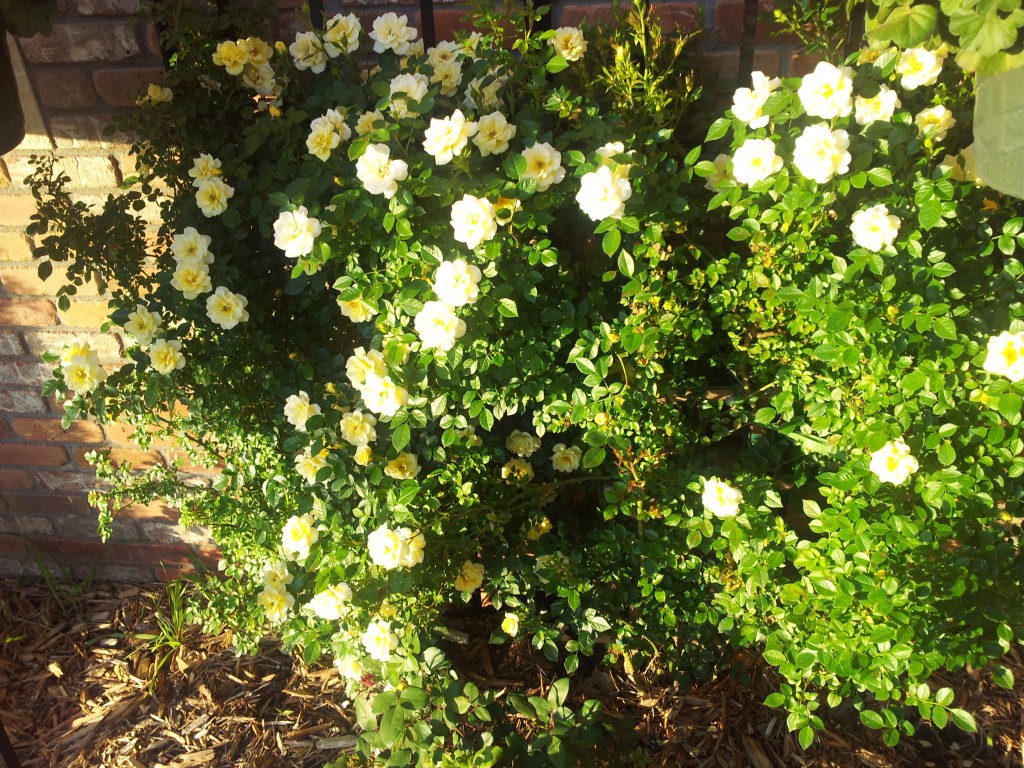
x: 81, y: 686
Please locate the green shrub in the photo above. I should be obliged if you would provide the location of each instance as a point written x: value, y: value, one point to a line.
x: 614, y: 412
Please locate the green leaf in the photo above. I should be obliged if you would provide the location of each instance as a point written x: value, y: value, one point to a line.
x: 872, y: 719
x: 986, y: 33
x: 392, y: 724
x: 775, y: 700
x: 593, y: 457
x: 610, y: 242
x: 556, y: 64
x: 413, y: 698
x: 998, y: 140
x: 944, y: 328
x: 775, y: 658
x: 559, y: 692
x: 507, y: 308
x: 718, y: 129
x: 806, y: 736
x: 880, y: 177
x: 1010, y: 405
x: 944, y: 697
x: 963, y: 720
x: 1002, y: 677
x: 364, y: 714
x: 939, y: 717
x: 626, y: 265
x: 906, y: 26
x: 400, y: 436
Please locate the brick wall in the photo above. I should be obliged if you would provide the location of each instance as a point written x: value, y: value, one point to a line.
x: 94, y: 64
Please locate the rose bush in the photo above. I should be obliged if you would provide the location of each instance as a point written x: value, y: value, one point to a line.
x: 456, y: 326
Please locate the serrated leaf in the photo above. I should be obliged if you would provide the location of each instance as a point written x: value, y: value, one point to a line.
x: 364, y: 714
x: 806, y: 736
x: 718, y: 129
x: 556, y: 64
x: 944, y: 328
x: 626, y: 265
x: 880, y: 177
x: 400, y: 436
x: 775, y: 700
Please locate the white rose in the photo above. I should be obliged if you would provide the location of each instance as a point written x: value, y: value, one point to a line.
x: 747, y: 103
x: 1005, y: 356
x: 227, y: 309
x: 827, y: 91
x: 448, y: 75
x: 192, y: 279
x: 378, y: 172
x: 298, y: 409
x: 190, y: 247
x: 392, y: 32
x: 720, y: 498
x: 382, y: 395
x: 276, y: 603
x: 384, y: 547
x: 446, y: 138
x: 413, y: 544
x: 362, y: 364
x: 308, y: 52
x: 565, y: 459
x: 322, y: 139
x: 308, y: 465
x: 213, y: 195
x: 471, y: 576
x: 357, y: 428
x: 143, y: 325
x: 820, y: 153
x: 522, y: 443
x: 165, y: 356
x: 754, y: 161
x: 341, y: 35
x: 438, y: 326
x: 298, y: 535
x: 569, y: 43
x: 893, y: 462
x: 295, y: 231
x: 473, y: 220
x: 204, y: 168
x: 602, y: 195
x: 332, y: 603
x: 874, y: 228
x: 378, y: 639
x: 412, y: 87
x: 456, y: 283
x: 935, y: 122
x: 918, y: 67
x: 878, y: 108
x: 543, y: 165
x: 356, y: 310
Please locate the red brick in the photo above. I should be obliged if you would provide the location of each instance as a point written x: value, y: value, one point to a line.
x: 121, y: 87
x: 14, y: 246
x: 27, y: 312
x: 67, y: 480
x: 5, y: 429
x: 17, y: 210
x: 71, y: 43
x: 574, y: 15
x: 107, y: 7
x: 801, y: 64
x: 51, y: 430
x: 724, y: 66
x: 151, y: 553
x: 154, y: 510
x: 138, y: 459
x: 33, y: 455
x: 22, y: 401
x: 72, y: 548
x: 11, y: 545
x: 448, y: 21
x: 729, y: 24
x: 684, y: 17
x: 64, y: 88
x: 121, y: 434
x: 15, y: 479
x: 63, y: 506
x: 26, y: 525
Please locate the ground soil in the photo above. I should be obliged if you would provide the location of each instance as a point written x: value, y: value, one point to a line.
x: 81, y: 685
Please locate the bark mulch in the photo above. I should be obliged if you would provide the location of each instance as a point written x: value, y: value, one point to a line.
x: 83, y: 683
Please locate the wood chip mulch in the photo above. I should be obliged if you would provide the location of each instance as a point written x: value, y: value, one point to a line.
x: 81, y: 686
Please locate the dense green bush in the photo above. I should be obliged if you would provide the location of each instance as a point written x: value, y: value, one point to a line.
x: 484, y: 324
